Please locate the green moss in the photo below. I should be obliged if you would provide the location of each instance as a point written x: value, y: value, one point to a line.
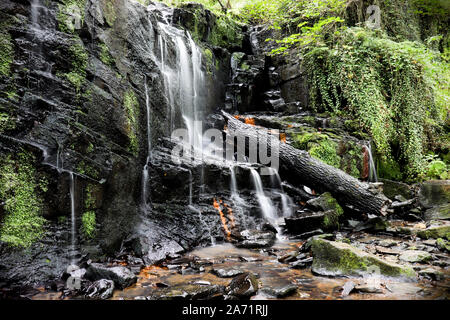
x: 226, y: 33
x: 6, y: 122
x: 435, y: 232
x: 105, y: 56
x: 79, y: 61
x: 88, y: 227
x: 6, y: 51
x: 131, y: 106
x: 342, y: 259
x: 87, y: 170
x: 68, y: 13
x: 22, y: 224
x: 326, y: 152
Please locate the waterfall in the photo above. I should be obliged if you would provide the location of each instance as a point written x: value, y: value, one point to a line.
x: 233, y: 183
x: 35, y: 6
x: 286, y: 203
x: 372, y: 169
x: 72, y: 215
x: 265, y: 203
x: 275, y: 178
x: 145, y: 174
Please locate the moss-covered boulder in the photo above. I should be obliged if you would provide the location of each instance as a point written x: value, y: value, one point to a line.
x: 437, y: 231
x: 341, y: 259
x: 331, y: 208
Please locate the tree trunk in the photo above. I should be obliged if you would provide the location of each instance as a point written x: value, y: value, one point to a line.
x: 299, y: 168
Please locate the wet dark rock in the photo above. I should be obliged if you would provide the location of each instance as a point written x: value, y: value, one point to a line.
x: 308, y: 234
x: 121, y: 276
x: 243, y: 286
x: 441, y: 212
x: 280, y: 291
x: 101, y: 289
x: 391, y: 189
x: 432, y: 274
x: 256, y: 239
x: 305, y: 222
x: 303, y: 263
x: 226, y: 273
x: 189, y: 292
x: 289, y: 257
x: 434, y: 193
x: 374, y: 223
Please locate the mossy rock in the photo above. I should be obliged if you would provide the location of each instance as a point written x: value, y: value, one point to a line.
x: 435, y: 232
x: 331, y: 208
x: 341, y: 259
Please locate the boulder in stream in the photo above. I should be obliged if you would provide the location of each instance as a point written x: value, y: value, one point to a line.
x: 101, y: 289
x: 121, y: 276
x: 333, y: 258
x: 256, y: 239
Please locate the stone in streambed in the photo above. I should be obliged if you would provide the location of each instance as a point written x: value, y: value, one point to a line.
x: 100, y: 289
x: 443, y: 244
x: 303, y: 263
x: 413, y: 256
x: 121, y: 276
x: 226, y: 273
x: 281, y: 291
x: 437, y: 231
x: 188, y: 292
x: 243, y: 286
x: 340, y: 259
x: 256, y: 239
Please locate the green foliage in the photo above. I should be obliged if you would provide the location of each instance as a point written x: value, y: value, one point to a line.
x: 88, y: 221
x: 435, y: 169
x: 22, y: 224
x: 131, y: 106
x: 388, y: 86
x: 226, y: 33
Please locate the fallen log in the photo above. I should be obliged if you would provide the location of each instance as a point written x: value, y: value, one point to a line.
x: 299, y: 168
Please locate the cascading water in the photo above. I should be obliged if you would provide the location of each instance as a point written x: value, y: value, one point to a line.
x: 72, y: 216
x: 287, y: 204
x: 286, y: 201
x: 372, y: 169
x: 145, y: 174
x: 265, y: 203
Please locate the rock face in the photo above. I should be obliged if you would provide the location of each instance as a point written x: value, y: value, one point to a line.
x: 341, y: 259
x: 74, y: 96
x: 434, y: 193
x: 121, y: 276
